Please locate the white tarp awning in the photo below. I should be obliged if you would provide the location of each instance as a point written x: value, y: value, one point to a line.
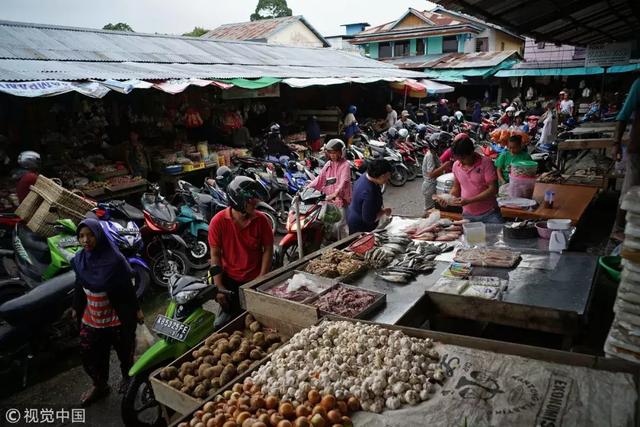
x: 435, y: 87
x: 52, y: 88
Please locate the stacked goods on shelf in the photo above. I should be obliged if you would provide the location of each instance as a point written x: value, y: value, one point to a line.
x: 624, y: 336
x: 48, y: 202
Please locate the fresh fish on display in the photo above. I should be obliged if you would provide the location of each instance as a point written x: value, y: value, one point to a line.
x: 395, y: 277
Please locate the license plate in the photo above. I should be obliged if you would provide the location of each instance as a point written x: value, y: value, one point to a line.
x: 68, y: 242
x: 171, y: 328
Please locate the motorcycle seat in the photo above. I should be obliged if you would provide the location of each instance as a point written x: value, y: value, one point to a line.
x: 132, y: 212
x: 39, y: 301
x: 33, y: 243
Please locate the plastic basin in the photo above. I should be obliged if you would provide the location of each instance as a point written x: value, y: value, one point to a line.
x: 543, y: 231
x: 611, y: 264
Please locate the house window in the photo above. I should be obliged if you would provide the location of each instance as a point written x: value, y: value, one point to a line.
x: 449, y: 44
x: 482, y: 44
x: 384, y: 50
x: 401, y: 48
x: 420, y: 47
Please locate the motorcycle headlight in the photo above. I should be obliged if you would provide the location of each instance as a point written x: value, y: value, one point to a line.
x: 185, y: 296
x: 169, y: 226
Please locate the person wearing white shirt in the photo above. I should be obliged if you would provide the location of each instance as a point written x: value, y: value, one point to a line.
x: 392, y: 117
x: 566, y: 106
x: 462, y: 103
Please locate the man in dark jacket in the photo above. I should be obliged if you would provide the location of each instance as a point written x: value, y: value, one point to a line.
x: 366, y: 206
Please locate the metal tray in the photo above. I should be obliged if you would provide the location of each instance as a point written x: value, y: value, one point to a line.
x: 330, y: 284
x: 379, y: 301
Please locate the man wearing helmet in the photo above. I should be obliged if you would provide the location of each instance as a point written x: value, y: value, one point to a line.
x: 29, y: 162
x: 241, y: 242
x: 334, y: 180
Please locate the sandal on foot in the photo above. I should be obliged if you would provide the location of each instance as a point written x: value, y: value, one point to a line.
x: 93, y: 395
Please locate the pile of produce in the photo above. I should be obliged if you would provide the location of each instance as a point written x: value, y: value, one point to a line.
x: 221, y: 359
x: 489, y: 257
x: 124, y: 181
x: 343, y: 301
x: 245, y: 406
x: 380, y: 367
x: 335, y: 263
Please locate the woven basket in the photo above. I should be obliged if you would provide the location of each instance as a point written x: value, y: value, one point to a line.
x: 61, y: 197
x: 43, y: 220
x: 29, y: 206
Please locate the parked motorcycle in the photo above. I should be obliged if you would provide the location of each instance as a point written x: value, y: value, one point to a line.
x: 193, y: 226
x: 119, y: 220
x: 399, y: 171
x: 164, y: 249
x: 312, y: 209
x: 183, y: 326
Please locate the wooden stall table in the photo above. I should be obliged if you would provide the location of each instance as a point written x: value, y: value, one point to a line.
x: 570, y: 202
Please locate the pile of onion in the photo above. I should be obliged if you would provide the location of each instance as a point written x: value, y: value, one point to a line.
x: 245, y: 406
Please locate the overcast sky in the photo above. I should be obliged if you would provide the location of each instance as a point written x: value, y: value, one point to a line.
x: 176, y: 17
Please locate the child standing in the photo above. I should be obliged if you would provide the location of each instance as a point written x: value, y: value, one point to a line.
x: 432, y: 168
x: 515, y: 153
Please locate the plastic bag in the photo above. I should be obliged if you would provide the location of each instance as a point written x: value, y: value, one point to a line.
x: 144, y: 339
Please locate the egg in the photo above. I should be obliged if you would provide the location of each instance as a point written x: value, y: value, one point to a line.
x: 271, y: 402
x: 301, y: 422
x: 286, y: 410
x: 302, y: 411
x: 314, y: 397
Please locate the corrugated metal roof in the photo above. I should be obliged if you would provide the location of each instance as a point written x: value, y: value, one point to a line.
x: 48, y: 42
x: 475, y: 59
x: 575, y: 22
x: 12, y: 70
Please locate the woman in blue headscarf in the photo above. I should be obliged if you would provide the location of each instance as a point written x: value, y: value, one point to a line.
x: 106, y: 306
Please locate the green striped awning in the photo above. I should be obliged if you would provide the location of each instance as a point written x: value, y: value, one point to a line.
x: 253, y: 84
x: 539, y: 72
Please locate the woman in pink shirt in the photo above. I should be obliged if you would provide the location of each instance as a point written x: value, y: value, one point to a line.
x: 334, y: 180
x: 475, y: 183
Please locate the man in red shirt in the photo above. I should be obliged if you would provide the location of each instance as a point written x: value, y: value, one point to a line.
x: 241, y: 241
x: 30, y: 162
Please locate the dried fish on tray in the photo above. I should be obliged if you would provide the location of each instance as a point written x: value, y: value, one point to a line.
x: 349, y: 301
x: 336, y: 263
x: 488, y: 257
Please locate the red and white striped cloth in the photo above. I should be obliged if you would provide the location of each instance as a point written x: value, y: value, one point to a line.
x: 99, y: 313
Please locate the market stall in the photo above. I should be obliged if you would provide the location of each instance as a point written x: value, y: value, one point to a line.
x: 542, y: 291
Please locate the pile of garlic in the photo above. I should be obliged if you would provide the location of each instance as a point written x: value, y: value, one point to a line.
x: 381, y: 367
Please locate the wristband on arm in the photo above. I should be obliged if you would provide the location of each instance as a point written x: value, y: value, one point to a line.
x: 214, y: 270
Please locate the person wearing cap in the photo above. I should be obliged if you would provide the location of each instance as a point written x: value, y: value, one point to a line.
x: 475, y: 183
x: 334, y: 180
x: 241, y: 242
x: 404, y: 122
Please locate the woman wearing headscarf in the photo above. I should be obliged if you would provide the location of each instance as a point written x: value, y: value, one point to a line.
x: 106, y: 306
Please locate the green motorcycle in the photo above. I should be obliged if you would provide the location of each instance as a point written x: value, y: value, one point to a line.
x: 183, y: 326
x: 40, y: 259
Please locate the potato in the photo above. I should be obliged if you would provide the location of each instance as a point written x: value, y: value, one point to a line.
x: 226, y: 377
x: 215, y: 383
x: 189, y: 380
x: 186, y: 390
x: 273, y: 347
x: 211, y: 360
x: 256, y: 354
x: 195, y: 354
x: 243, y: 366
x: 176, y: 383
x: 255, y: 326
x: 258, y: 339
x: 239, y: 356
x: 215, y: 337
x: 271, y: 338
x: 217, y: 352
x: 235, y: 342
x: 169, y: 373
x: 248, y: 320
x: 217, y: 370
x: 225, y: 359
x: 206, y: 382
x: 202, y: 368
x: 237, y: 334
x: 200, y: 391
x: 205, y: 351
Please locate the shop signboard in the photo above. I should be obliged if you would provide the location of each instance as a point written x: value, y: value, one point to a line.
x: 606, y: 55
x: 272, y: 91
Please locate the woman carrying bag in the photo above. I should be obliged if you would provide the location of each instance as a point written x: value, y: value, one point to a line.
x: 106, y: 307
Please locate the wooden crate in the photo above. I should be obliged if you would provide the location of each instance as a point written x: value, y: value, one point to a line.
x: 298, y: 315
x: 29, y: 206
x: 183, y: 403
